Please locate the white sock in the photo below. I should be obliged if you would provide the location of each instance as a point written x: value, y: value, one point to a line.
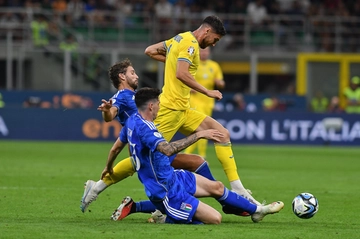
x: 236, y: 185
x: 100, y: 186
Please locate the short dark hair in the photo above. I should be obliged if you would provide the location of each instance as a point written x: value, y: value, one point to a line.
x: 144, y: 95
x: 116, y: 69
x: 216, y: 24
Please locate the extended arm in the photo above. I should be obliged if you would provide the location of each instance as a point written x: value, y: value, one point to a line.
x: 114, y: 152
x: 177, y: 146
x: 183, y: 74
x: 156, y: 51
x: 108, y: 111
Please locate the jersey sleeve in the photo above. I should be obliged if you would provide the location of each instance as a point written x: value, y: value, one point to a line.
x: 116, y: 103
x: 151, y: 136
x: 167, y: 43
x: 187, y: 50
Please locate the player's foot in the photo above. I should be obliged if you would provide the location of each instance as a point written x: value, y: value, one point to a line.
x: 235, y: 211
x: 271, y: 208
x: 123, y: 210
x: 89, y: 195
x: 157, y: 217
x: 247, y: 194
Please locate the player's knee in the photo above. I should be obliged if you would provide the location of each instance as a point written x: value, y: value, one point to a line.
x: 199, y: 159
x: 218, y: 188
x: 226, y: 134
x: 216, y: 218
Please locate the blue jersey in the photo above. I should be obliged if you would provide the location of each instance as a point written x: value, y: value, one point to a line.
x: 153, y: 167
x: 124, y: 101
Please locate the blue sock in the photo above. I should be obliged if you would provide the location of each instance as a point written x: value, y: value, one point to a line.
x: 204, y: 171
x: 235, y: 201
x: 145, y: 207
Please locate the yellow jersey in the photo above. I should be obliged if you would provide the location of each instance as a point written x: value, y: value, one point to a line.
x: 183, y: 47
x: 208, y: 72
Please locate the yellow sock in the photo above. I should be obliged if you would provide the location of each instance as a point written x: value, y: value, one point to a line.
x: 122, y: 170
x: 191, y: 148
x: 226, y: 157
x: 202, y: 144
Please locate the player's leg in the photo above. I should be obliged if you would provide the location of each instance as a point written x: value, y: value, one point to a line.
x: 181, y: 206
x: 234, y: 202
x: 168, y: 122
x: 202, y: 147
x: 202, y: 143
x: 196, y: 121
x: 128, y: 206
x: 217, y: 190
x: 122, y: 170
x: 194, y: 104
x: 207, y: 214
x: 193, y: 163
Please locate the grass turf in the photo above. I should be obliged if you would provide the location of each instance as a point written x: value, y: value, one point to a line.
x: 41, y: 185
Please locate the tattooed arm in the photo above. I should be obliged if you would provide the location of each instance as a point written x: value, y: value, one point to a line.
x: 177, y: 146
x: 156, y: 51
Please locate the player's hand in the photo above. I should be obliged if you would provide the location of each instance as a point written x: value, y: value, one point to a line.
x: 211, y: 134
x: 105, y: 106
x: 214, y: 94
x: 107, y: 170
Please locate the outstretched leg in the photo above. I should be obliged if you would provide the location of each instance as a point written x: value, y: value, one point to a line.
x: 217, y: 190
x: 226, y: 157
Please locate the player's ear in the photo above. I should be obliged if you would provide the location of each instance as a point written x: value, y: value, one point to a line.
x: 121, y: 76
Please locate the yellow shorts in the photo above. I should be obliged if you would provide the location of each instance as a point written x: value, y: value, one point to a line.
x: 204, y: 109
x: 168, y: 121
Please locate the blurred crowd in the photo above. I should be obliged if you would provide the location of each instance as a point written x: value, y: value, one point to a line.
x: 320, y: 33
x: 170, y: 7
x: 96, y: 13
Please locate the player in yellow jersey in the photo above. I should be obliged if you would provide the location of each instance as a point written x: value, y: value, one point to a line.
x: 209, y: 75
x: 181, y: 57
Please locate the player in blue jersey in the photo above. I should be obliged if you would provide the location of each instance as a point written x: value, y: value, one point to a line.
x: 124, y: 78
x: 175, y: 192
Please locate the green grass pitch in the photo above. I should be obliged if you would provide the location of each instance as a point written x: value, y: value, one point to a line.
x: 41, y: 184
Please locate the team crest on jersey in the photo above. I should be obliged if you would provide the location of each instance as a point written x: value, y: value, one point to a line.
x: 191, y: 50
x: 133, y: 97
x: 186, y: 207
x: 157, y: 134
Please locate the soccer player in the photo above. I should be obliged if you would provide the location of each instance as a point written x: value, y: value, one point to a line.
x: 121, y: 106
x: 181, y: 57
x: 209, y: 75
x: 175, y: 192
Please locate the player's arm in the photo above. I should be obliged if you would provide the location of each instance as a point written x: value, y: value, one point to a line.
x: 220, y: 84
x: 113, y: 153
x: 157, y: 51
x: 108, y: 111
x: 179, y: 145
x: 183, y: 74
